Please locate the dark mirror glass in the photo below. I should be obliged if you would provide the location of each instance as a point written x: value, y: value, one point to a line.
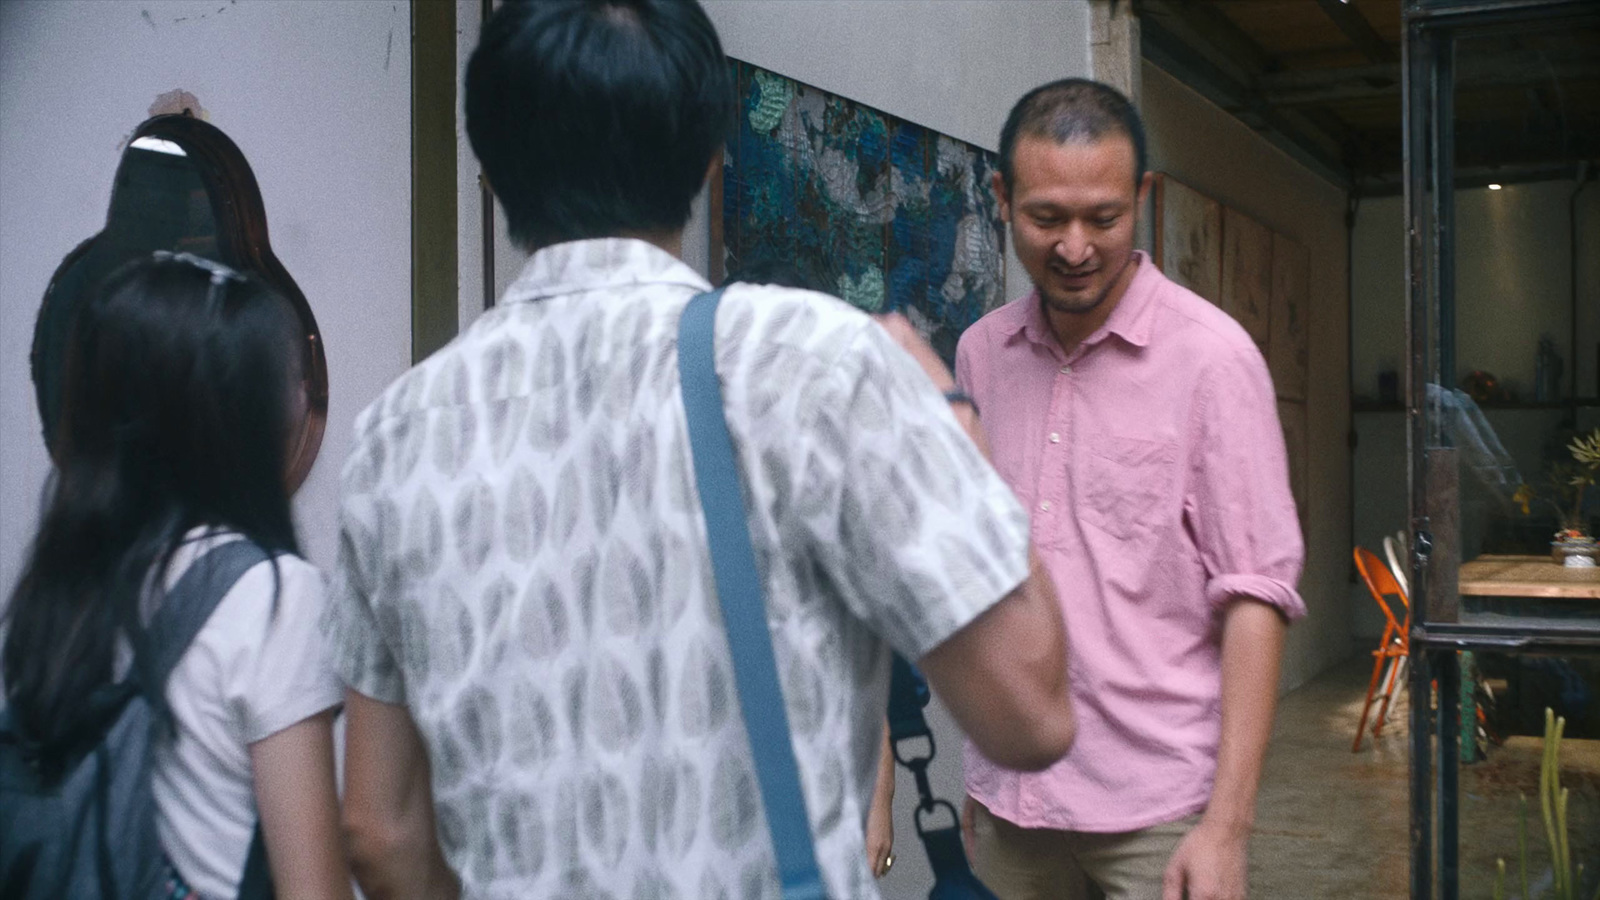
x: 183, y: 186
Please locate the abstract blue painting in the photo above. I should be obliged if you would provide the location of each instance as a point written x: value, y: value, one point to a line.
x: 882, y: 212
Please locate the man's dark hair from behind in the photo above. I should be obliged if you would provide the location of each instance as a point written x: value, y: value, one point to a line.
x: 1072, y: 109
x: 596, y: 118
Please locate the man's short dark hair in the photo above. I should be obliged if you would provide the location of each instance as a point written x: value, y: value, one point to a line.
x: 597, y: 117
x: 1072, y: 109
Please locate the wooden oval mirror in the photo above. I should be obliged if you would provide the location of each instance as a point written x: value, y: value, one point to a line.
x: 182, y: 185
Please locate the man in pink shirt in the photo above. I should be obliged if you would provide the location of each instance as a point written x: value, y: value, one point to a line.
x: 1137, y: 423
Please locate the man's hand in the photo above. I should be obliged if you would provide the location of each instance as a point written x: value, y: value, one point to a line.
x: 880, y: 836
x: 904, y: 334
x: 1211, y: 863
x: 880, y: 815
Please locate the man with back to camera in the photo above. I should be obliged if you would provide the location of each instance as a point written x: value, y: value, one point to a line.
x: 1137, y: 422
x: 540, y: 696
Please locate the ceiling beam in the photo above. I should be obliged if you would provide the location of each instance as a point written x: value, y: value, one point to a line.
x: 1185, y: 39
x: 1209, y: 32
x: 1360, y: 32
x: 1314, y: 87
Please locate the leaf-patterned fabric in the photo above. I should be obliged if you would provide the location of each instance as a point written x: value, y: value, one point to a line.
x: 524, y: 565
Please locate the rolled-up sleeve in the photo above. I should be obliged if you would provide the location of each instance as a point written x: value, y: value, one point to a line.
x: 1240, y: 505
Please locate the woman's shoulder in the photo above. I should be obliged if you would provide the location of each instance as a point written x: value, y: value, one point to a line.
x: 278, y: 577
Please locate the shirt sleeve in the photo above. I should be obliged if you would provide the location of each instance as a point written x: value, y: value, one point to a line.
x: 362, y: 651
x: 291, y: 677
x: 904, y: 516
x: 1240, y: 505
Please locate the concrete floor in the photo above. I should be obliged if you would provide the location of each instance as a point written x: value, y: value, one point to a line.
x: 1332, y: 824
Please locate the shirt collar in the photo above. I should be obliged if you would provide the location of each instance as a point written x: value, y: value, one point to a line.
x: 598, y: 264
x: 1131, y: 320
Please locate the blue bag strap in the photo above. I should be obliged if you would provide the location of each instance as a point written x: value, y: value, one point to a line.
x: 744, y: 609
x: 952, y: 876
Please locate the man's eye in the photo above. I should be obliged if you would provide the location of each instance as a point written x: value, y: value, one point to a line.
x: 1046, y: 222
x: 1105, y: 222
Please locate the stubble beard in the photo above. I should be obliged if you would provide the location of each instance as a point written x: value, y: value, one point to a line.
x: 1072, y: 307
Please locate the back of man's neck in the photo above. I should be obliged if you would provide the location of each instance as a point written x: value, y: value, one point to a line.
x: 670, y: 241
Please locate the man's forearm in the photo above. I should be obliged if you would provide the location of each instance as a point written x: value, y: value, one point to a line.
x: 1252, y: 650
x: 884, y: 790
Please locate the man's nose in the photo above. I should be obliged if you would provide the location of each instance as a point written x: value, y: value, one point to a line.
x: 1074, y: 247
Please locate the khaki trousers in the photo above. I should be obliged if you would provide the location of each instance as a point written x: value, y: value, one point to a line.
x: 1044, y: 864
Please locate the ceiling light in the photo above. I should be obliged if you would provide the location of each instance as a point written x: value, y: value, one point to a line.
x: 158, y: 145
x: 1495, y: 187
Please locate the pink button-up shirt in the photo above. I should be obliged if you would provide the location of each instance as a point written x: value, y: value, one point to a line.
x: 1153, y: 464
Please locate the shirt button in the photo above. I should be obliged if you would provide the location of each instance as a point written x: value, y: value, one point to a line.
x: 1055, y: 438
x: 1066, y: 370
x: 1044, y: 505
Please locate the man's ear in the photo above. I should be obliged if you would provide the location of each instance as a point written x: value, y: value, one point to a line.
x: 1144, y: 187
x: 999, y: 185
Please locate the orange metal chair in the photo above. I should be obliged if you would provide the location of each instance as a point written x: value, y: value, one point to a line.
x: 1394, y: 649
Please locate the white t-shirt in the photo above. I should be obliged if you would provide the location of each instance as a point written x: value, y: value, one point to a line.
x: 256, y: 668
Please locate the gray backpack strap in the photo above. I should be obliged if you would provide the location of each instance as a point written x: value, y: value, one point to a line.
x: 185, y: 609
x: 183, y: 612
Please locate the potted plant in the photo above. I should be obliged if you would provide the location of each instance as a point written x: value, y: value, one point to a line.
x: 1570, y: 483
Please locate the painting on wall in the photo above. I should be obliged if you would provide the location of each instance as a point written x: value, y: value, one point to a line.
x: 1247, y: 273
x: 882, y: 212
x: 1292, y: 416
x: 1188, y: 237
x: 1289, y: 351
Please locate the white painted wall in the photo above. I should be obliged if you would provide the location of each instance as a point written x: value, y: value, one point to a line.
x: 1513, y: 282
x: 318, y: 98
x: 1219, y: 156
x: 955, y: 66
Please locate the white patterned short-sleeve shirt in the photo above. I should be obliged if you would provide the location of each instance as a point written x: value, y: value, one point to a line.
x: 524, y: 565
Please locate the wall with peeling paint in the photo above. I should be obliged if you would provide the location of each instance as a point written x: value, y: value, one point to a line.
x: 318, y: 98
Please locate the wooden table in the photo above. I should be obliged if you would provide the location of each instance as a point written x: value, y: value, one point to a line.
x: 1528, y: 576
x: 1535, y: 578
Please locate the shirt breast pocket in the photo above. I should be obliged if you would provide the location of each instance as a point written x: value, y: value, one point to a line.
x: 1126, y: 484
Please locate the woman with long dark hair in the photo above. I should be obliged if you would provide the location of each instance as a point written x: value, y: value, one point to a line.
x: 181, y: 396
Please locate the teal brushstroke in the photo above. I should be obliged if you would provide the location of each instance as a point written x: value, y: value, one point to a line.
x: 776, y: 94
x: 866, y: 293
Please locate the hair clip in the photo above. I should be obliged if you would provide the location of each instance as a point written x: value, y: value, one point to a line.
x: 220, y: 274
